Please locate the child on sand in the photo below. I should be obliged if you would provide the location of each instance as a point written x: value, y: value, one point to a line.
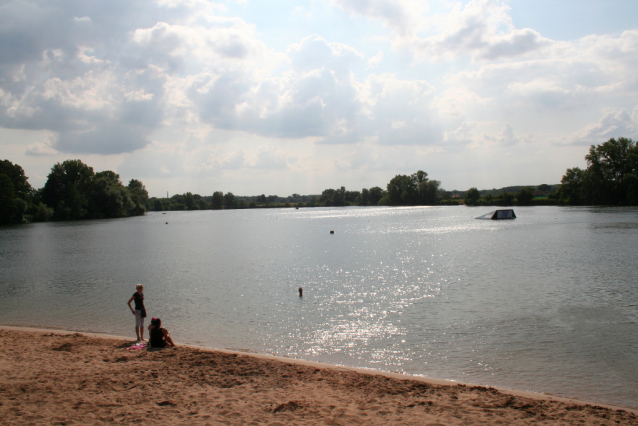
x: 158, y: 336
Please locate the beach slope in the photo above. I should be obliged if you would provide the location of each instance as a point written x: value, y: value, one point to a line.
x: 65, y: 379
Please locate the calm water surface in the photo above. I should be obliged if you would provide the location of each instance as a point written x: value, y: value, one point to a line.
x: 547, y: 302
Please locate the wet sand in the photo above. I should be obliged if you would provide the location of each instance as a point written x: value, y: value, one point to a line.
x: 51, y: 377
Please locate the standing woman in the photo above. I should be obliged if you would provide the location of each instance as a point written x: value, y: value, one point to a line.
x: 139, y: 312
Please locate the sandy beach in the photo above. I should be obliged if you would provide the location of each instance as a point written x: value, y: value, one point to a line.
x: 50, y: 377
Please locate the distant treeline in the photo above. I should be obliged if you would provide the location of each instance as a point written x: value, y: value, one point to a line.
x: 402, y: 190
x: 541, y: 195
x: 74, y: 191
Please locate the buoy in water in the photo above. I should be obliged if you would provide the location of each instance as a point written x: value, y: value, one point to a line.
x: 300, y: 292
x: 332, y: 232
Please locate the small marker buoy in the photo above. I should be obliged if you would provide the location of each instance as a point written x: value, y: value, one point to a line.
x: 300, y: 292
x: 332, y: 232
x: 167, y: 223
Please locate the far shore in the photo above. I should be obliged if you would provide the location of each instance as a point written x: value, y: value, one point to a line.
x: 63, y: 377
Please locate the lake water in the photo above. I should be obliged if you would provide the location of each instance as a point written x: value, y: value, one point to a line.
x: 547, y: 302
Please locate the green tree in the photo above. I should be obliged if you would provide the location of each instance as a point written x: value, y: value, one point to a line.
x: 402, y: 190
x: 351, y: 197
x: 42, y: 213
x: 429, y: 192
x: 505, y: 199
x: 339, y: 197
x: 67, y: 188
x: 107, y: 196
x: 375, y: 194
x: 139, y: 196
x: 472, y: 197
x: 632, y: 177
x: 229, y: 201
x: 21, y: 187
x: 571, y: 189
x: 608, y: 167
x: 189, y: 201
x: 8, y: 201
x: 15, y: 193
x: 365, y: 197
x: 327, y: 197
x: 525, y: 196
x: 218, y: 200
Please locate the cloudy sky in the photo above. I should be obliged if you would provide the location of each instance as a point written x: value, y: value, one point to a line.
x: 282, y: 96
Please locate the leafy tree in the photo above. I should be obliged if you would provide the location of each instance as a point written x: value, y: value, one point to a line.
x: 415, y: 189
x: 611, y: 177
x: 339, y: 197
x: 419, y: 177
x: 108, y: 198
x: 189, y: 201
x: 428, y: 191
x: 525, y: 196
x: 375, y: 194
x: 201, y: 203
x: 8, y: 201
x: 138, y: 195
x: 15, y: 193
x: 42, y: 213
x: 229, y: 200
x: 608, y: 168
x: 66, y: 189
x: 505, y: 199
x: 571, y: 189
x: 402, y: 190
x: 218, y: 200
x: 327, y: 197
x: 632, y: 177
x: 21, y: 187
x: 351, y: 196
x: 472, y: 197
x: 365, y: 197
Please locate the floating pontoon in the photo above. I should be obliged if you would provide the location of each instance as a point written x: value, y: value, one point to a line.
x: 499, y: 214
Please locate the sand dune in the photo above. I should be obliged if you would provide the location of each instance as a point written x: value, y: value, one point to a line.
x: 64, y: 379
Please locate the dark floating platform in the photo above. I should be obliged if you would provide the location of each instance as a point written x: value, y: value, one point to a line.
x: 499, y: 215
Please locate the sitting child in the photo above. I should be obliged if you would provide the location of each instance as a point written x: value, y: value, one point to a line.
x: 159, y: 337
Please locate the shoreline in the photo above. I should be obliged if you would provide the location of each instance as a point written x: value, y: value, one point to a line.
x: 445, y: 396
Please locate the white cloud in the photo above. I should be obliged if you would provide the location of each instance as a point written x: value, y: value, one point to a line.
x: 235, y: 160
x: 375, y: 60
x: 613, y: 124
x: 481, y: 29
x: 404, y: 17
x: 44, y: 148
x: 270, y: 159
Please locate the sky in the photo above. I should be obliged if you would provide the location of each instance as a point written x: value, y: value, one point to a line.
x: 281, y: 97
